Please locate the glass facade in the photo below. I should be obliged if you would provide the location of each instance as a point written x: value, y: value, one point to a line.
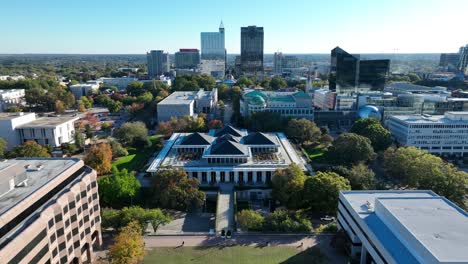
x: 252, y: 49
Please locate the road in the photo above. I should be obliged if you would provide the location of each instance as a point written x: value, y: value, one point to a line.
x: 227, y: 113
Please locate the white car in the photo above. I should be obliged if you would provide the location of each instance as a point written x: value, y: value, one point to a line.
x: 328, y: 218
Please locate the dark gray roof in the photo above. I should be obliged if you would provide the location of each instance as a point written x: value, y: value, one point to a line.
x: 229, y: 137
x: 197, y: 139
x: 228, y: 130
x: 258, y: 138
x: 228, y: 147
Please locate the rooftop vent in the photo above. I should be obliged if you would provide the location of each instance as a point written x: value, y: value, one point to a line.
x: 369, y: 206
x: 30, y: 167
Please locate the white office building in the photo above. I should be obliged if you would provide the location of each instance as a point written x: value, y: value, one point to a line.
x: 439, y: 134
x: 11, y: 97
x: 396, y: 227
x: 180, y: 104
x: 17, y: 128
x: 84, y: 89
x: 228, y: 155
x: 121, y: 83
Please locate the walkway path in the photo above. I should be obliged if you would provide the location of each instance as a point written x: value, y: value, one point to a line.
x: 225, y: 208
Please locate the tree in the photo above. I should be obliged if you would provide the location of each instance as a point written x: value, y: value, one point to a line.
x: 106, y: 127
x: 29, y: 149
x: 283, y: 221
x: 350, y: 148
x: 81, y: 108
x: 277, y: 83
x: 415, y: 168
x: 128, y: 247
x: 215, y: 124
x: 321, y: 191
x: 373, y: 130
x: 172, y: 188
x: 244, y: 82
x: 132, y: 134
x: 119, y: 188
x: 59, y: 107
x: 79, y: 139
x: 303, y: 130
x: 3, y: 147
x: 116, y: 219
x: 360, y: 176
x: 99, y: 157
x: 114, y: 106
x: 287, y: 186
x: 267, y: 122
x: 117, y: 149
x: 250, y: 220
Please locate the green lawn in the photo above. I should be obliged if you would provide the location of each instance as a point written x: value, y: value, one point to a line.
x: 136, y: 158
x: 234, y: 254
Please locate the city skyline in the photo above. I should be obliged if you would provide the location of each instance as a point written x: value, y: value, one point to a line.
x: 359, y: 27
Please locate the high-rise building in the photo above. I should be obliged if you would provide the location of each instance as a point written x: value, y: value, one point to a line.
x: 463, y: 63
x: 284, y: 62
x: 252, y: 49
x: 187, y: 58
x: 348, y: 72
x: 158, y: 62
x: 213, y: 53
x: 449, y: 61
x: 212, y: 45
x: 49, y: 211
x: 373, y: 73
x: 344, y: 70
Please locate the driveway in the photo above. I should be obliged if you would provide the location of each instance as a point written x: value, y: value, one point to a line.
x: 190, y: 223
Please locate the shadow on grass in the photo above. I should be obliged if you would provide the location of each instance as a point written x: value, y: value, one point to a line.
x: 311, y: 255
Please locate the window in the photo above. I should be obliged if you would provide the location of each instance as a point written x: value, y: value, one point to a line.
x: 65, y: 209
x: 81, y: 223
x: 52, y: 238
x: 87, y: 230
x: 60, y: 232
x: 93, y: 184
x: 79, y: 210
x: 70, y: 250
x: 83, y: 194
x: 75, y: 231
x: 67, y: 223
x: 54, y: 252
x: 63, y: 260
x: 69, y: 236
x: 23, y: 252
x: 58, y: 218
x: 72, y: 204
x: 94, y: 196
x: 73, y: 218
x: 51, y: 223
x: 82, y: 235
x: 77, y: 198
x: 86, y: 218
x: 85, y: 206
x: 76, y: 244
x: 61, y: 246
x: 96, y: 219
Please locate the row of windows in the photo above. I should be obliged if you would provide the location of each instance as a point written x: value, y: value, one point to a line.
x: 223, y: 176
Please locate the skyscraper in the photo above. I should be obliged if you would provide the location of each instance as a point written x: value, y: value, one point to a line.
x: 463, y: 63
x: 344, y: 70
x: 278, y: 63
x: 348, y: 72
x: 252, y: 49
x: 212, y: 45
x: 158, y: 62
x: 213, y: 53
x: 284, y: 62
x: 373, y: 73
x: 187, y: 59
x: 449, y: 61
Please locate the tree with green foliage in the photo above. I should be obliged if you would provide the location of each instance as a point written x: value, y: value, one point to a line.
x: 99, y: 157
x: 112, y: 218
x: 128, y: 247
x: 303, y: 131
x: 3, y: 147
x: 114, y: 106
x: 350, y: 148
x: 250, y: 220
x: 266, y: 122
x: 373, y: 130
x: 321, y: 191
x: 117, y: 149
x: 244, y: 82
x: 287, y: 186
x: 118, y: 188
x: 172, y: 188
x: 278, y: 82
x: 135, y: 88
x: 360, y: 176
x: 133, y: 134
x: 79, y: 139
x: 29, y: 149
x: 418, y: 169
x: 283, y: 221
x: 59, y: 108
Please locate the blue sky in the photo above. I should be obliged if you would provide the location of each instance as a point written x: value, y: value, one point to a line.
x: 292, y: 26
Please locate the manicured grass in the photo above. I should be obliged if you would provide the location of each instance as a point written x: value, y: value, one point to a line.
x: 316, y: 153
x: 136, y: 158
x: 234, y: 254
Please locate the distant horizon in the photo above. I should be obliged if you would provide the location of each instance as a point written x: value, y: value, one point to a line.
x: 287, y: 53
x: 293, y: 27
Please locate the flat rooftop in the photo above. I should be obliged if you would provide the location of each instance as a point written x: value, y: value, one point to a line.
x: 51, y: 168
x: 414, y: 226
x: 178, y: 98
x: 433, y: 119
x: 49, y: 121
x: 9, y: 116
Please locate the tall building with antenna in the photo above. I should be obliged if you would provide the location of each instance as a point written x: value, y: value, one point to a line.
x: 213, y: 52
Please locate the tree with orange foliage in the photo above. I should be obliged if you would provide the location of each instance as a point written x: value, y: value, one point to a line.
x: 99, y: 157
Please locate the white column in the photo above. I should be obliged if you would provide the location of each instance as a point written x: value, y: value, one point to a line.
x: 218, y: 177
x: 254, y: 176
x: 264, y: 177
x: 236, y: 176
x: 363, y: 254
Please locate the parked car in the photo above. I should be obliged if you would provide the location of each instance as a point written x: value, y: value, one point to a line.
x: 327, y: 218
